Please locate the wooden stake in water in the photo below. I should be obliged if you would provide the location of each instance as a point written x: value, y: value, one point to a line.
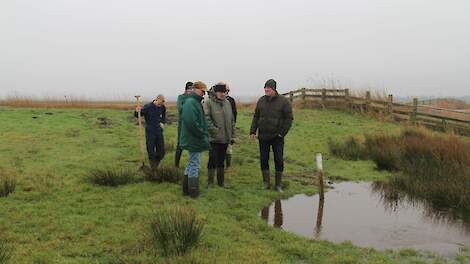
x: 321, y: 201
x: 320, y: 175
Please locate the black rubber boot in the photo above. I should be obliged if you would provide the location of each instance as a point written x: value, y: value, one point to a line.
x: 278, y: 181
x: 228, y: 161
x: 210, y: 178
x: 220, y: 177
x: 184, y: 185
x: 193, y: 187
x: 266, y: 180
x: 178, y: 157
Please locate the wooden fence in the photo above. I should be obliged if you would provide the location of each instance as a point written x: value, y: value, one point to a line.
x: 431, y: 117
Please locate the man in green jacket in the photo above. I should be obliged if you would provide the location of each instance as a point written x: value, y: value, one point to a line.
x: 221, y: 125
x: 179, y: 105
x: 194, y: 137
x: 272, y: 119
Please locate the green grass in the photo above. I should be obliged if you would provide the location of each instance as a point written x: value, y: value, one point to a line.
x: 56, y: 216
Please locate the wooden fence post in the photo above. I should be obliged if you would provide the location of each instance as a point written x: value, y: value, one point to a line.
x: 304, y: 103
x: 414, y: 112
x: 319, y: 160
x: 367, y: 101
x: 347, y: 99
x: 291, y: 97
x: 323, y: 97
x: 390, y: 104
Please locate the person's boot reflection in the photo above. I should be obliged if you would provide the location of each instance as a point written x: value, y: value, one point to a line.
x: 278, y: 217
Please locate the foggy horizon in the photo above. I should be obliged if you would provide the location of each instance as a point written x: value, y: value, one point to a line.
x: 115, y: 50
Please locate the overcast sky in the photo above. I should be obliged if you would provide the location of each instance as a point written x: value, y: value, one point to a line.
x: 118, y: 48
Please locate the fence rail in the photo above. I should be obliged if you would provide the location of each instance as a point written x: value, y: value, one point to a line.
x: 429, y: 116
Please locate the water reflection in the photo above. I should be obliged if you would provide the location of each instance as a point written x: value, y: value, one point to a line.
x: 372, y: 215
x: 392, y: 199
x: 278, y: 218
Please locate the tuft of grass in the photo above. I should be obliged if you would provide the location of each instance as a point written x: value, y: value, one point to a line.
x: 384, y: 150
x: 7, y: 183
x: 164, y: 173
x: 6, y: 251
x: 351, y: 149
x: 112, y: 176
x: 176, y: 230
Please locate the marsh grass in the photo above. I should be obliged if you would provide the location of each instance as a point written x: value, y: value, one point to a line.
x: 112, y: 176
x: 164, y: 173
x: 174, y: 231
x: 434, y: 167
x: 7, y: 183
x: 351, y: 149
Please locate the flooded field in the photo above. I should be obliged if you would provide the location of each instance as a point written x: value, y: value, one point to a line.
x: 371, y: 215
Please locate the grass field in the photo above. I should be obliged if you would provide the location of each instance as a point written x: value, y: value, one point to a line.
x: 56, y: 216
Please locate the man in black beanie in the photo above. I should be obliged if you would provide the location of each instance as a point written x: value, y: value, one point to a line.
x: 179, y: 104
x: 272, y: 120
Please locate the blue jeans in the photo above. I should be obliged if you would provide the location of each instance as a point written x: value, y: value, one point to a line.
x: 194, y: 163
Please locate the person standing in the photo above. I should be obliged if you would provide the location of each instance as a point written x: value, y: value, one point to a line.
x: 233, y: 104
x: 194, y: 137
x: 221, y: 127
x: 154, y: 114
x: 179, y: 105
x: 272, y: 119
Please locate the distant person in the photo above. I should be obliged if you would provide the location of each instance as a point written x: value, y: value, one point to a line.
x: 155, y: 119
x: 221, y: 126
x: 194, y: 137
x: 179, y: 104
x: 272, y: 119
x: 233, y: 104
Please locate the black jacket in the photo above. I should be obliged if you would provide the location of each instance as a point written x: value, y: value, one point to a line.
x: 273, y: 117
x: 154, y: 115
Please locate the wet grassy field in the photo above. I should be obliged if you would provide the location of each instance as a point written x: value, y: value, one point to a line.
x: 56, y: 216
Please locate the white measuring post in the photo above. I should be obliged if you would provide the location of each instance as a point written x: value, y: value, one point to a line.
x: 319, y: 160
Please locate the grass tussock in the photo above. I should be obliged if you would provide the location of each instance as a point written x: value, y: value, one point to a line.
x: 175, y: 231
x: 7, y: 183
x: 164, y: 173
x: 112, y: 176
x: 6, y: 251
x: 351, y: 149
x: 434, y: 167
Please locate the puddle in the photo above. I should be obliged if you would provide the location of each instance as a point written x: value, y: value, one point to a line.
x: 371, y: 215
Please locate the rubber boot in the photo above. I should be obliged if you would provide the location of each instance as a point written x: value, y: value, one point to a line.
x: 228, y: 161
x: 278, y: 181
x: 210, y: 178
x: 178, y: 157
x: 184, y: 185
x: 266, y: 180
x: 193, y: 187
x: 220, y: 177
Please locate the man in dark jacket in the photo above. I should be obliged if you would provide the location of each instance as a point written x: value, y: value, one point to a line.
x: 194, y: 137
x: 272, y: 119
x: 179, y: 104
x: 228, y: 156
x: 155, y: 119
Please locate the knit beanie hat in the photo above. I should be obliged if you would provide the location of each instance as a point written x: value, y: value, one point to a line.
x: 189, y: 85
x: 270, y: 83
x: 220, y: 88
